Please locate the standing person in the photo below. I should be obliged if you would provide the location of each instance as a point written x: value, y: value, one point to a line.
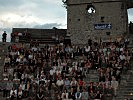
x: 114, y: 85
x: 4, y: 35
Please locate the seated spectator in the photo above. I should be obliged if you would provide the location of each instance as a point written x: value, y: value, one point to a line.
x: 7, y: 61
x: 98, y: 95
x: 80, y: 84
x: 22, y: 86
x: 13, y: 94
x: 6, y: 78
x: 40, y: 95
x: 78, y: 95
x: 91, y: 90
x: 64, y: 95
x: 73, y: 84
x: 67, y: 83
x: 20, y: 94
x: 60, y: 83
x: 85, y: 94
x: 71, y: 94
x: 47, y: 93
x: 14, y: 47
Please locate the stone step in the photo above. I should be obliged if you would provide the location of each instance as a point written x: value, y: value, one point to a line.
x: 130, y: 96
x: 126, y: 77
x: 129, y: 86
x: 130, y: 79
x: 121, y: 98
x: 125, y: 88
x: 91, y: 80
x: 130, y: 83
x: 92, y: 77
x: 93, y: 72
x: 125, y: 92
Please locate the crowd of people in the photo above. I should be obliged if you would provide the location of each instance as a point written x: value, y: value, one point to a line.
x: 52, y: 72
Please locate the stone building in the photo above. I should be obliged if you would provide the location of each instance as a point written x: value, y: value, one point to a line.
x: 96, y: 19
x: 41, y: 35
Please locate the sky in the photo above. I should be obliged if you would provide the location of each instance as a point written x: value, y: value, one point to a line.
x: 31, y: 14
x: 44, y: 14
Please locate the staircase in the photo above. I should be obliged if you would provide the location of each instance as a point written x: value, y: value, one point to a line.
x: 125, y: 91
x: 92, y: 76
x: 3, y: 52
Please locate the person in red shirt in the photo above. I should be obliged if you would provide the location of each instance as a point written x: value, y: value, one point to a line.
x: 14, y: 47
x: 91, y: 90
x: 80, y: 83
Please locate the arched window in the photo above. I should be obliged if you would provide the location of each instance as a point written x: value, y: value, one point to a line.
x: 90, y: 9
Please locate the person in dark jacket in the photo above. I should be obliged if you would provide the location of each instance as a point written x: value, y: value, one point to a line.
x: 4, y: 35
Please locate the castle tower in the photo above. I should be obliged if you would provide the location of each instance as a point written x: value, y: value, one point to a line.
x: 96, y: 19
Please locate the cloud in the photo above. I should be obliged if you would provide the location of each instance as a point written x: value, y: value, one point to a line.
x: 26, y: 25
x: 31, y: 12
x: 48, y: 26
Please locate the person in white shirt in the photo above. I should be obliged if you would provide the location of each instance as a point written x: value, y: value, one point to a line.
x: 6, y: 78
x: 20, y: 34
x: 13, y: 93
x: 34, y: 49
x: 58, y: 72
x: 52, y: 71
x: 60, y: 83
x: 87, y: 50
x: 73, y: 83
x: 30, y: 56
x: 18, y: 60
x: 122, y: 57
x: 121, y: 49
x: 78, y: 95
x: 20, y: 93
x: 114, y: 84
x: 7, y: 60
x: 64, y: 95
x: 22, y: 85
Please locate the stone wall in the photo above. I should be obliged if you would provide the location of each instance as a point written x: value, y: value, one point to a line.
x: 39, y: 34
x: 82, y: 25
